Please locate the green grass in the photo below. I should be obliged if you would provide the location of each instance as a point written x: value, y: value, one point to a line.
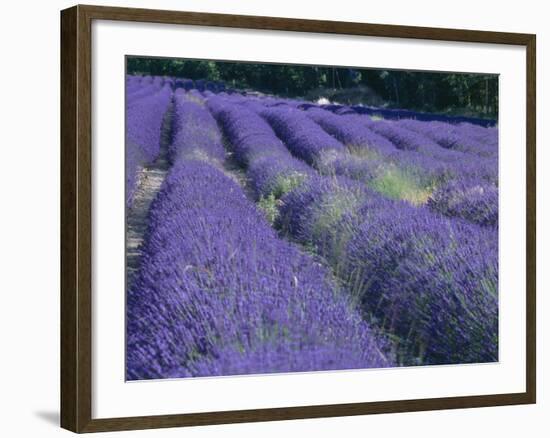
x: 327, y: 226
x: 398, y: 184
x: 363, y: 151
x: 394, y: 182
x: 287, y: 183
x: 332, y: 208
x: 269, y: 206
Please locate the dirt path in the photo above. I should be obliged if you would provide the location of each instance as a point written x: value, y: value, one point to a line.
x: 150, y: 180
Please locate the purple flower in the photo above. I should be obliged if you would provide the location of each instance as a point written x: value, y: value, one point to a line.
x: 474, y: 200
x: 429, y: 280
x: 219, y: 292
x: 302, y: 136
x: 196, y: 133
x: 145, y: 113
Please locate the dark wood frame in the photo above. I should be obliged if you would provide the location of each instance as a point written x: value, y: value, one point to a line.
x: 76, y: 218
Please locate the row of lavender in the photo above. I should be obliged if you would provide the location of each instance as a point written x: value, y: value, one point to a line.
x: 147, y: 103
x: 429, y: 280
x: 218, y: 292
x: 398, y: 114
x: 134, y: 82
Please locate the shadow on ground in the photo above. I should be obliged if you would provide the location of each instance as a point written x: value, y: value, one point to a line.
x: 51, y: 417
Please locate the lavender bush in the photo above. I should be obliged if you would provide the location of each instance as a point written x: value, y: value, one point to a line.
x: 430, y: 281
x: 460, y: 138
x: 144, y: 120
x: 301, y: 135
x: 270, y: 166
x: 219, y: 293
x: 196, y: 134
x: 473, y: 200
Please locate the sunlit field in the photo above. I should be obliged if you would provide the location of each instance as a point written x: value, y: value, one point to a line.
x: 271, y: 233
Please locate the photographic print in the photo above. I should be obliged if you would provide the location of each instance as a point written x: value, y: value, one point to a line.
x: 299, y: 218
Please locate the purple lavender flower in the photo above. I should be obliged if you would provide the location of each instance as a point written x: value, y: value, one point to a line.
x: 219, y: 292
x: 429, y: 280
x: 302, y: 136
x: 186, y: 84
x: 144, y: 120
x: 270, y: 166
x: 352, y: 131
x: 433, y: 282
x: 456, y: 137
x: 473, y: 200
x: 196, y: 133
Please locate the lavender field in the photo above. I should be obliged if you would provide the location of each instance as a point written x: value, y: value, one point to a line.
x: 270, y: 235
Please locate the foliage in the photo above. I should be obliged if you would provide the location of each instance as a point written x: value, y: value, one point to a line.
x: 463, y: 93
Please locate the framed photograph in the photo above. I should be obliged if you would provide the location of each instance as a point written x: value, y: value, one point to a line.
x: 269, y: 218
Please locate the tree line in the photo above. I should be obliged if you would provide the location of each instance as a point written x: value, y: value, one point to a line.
x: 457, y: 93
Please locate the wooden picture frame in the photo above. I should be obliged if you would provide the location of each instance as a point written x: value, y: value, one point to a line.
x: 76, y: 217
